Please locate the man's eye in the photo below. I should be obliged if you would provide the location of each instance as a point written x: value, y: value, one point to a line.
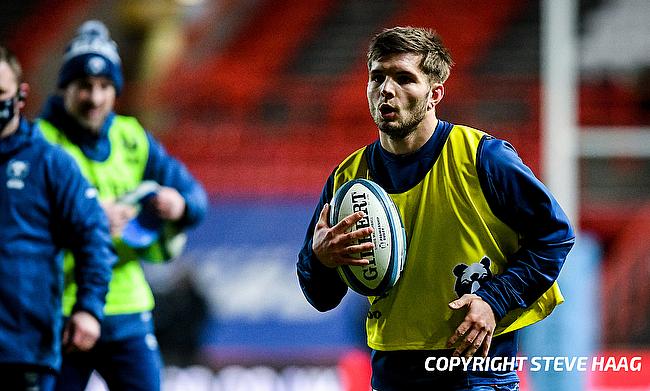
x: 377, y: 78
x: 404, y: 80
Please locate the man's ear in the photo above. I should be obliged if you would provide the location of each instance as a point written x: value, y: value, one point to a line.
x: 23, y: 92
x: 436, y: 93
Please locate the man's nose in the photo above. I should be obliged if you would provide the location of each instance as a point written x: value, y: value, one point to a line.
x: 96, y: 95
x: 387, y: 89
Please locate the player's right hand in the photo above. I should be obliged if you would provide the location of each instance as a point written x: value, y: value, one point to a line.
x: 118, y: 215
x: 334, y: 246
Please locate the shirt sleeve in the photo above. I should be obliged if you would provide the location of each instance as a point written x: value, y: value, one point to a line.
x: 167, y: 171
x: 321, y: 285
x: 522, y: 202
x: 84, y: 231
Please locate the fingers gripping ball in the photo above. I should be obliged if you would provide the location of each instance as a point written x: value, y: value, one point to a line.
x: 387, y: 258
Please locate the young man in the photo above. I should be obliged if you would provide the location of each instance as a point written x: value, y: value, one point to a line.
x: 467, y: 203
x: 45, y: 205
x: 116, y: 155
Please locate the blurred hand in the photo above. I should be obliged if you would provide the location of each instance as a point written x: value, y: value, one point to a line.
x: 168, y: 204
x: 118, y: 215
x: 81, y: 332
x: 475, y: 332
x: 334, y: 246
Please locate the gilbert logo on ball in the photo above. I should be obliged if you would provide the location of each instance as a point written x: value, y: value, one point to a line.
x: 386, y: 259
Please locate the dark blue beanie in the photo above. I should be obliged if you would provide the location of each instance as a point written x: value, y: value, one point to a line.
x: 91, y: 53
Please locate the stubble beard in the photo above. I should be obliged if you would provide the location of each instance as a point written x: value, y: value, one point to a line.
x: 92, y: 123
x: 403, y: 127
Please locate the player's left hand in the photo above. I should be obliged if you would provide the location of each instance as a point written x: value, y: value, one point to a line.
x: 475, y: 332
x: 168, y: 203
x: 80, y: 332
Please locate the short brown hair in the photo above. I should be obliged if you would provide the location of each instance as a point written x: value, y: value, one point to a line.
x: 10, y: 58
x: 436, y: 61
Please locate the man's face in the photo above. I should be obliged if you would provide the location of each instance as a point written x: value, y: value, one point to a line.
x: 8, y: 82
x: 8, y: 90
x: 398, y: 94
x: 89, y: 100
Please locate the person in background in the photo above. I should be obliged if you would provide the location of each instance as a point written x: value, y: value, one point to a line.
x: 118, y: 157
x: 486, y: 239
x: 46, y: 205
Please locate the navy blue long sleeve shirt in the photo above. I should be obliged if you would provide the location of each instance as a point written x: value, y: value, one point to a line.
x: 514, y: 195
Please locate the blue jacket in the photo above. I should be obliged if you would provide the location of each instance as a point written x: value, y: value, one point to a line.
x: 45, y: 205
x: 160, y: 167
x: 515, y: 196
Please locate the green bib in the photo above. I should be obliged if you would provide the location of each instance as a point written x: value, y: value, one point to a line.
x: 122, y: 172
x: 448, y: 222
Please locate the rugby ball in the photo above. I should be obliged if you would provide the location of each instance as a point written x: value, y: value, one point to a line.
x: 386, y: 259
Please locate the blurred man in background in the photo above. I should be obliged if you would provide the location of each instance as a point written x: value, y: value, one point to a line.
x: 118, y: 157
x: 45, y: 205
x: 486, y: 239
